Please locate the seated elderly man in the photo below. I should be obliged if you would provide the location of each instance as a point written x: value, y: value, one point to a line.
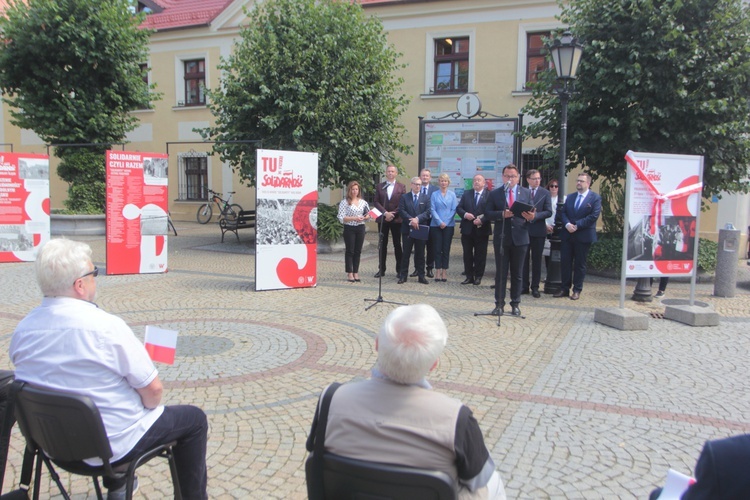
x: 68, y: 343
x: 395, y: 417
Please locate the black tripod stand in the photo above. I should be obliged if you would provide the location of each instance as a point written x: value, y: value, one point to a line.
x: 380, y: 300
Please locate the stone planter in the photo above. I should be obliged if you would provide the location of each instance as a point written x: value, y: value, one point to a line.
x: 326, y: 246
x: 78, y: 225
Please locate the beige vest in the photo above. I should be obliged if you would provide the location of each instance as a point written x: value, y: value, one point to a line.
x: 381, y: 421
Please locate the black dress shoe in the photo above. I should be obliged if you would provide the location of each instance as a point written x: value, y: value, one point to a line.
x: 379, y: 274
x: 525, y: 291
x: 430, y: 274
x: 468, y: 281
x: 515, y: 311
x: 423, y: 280
x: 535, y: 294
x: 401, y: 281
x: 497, y: 311
x: 561, y: 293
x: 478, y: 281
x: 414, y: 274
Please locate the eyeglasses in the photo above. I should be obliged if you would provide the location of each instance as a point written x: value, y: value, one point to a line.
x: 93, y: 273
x: 553, y: 185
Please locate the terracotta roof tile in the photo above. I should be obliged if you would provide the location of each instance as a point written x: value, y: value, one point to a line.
x: 184, y: 13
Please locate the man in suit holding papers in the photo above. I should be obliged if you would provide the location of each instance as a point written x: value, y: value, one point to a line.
x: 511, y: 239
x: 414, y: 210
x: 540, y: 199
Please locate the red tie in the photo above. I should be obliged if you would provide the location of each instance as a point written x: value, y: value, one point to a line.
x: 510, y: 198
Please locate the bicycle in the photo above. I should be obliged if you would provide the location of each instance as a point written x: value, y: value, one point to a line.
x: 228, y: 211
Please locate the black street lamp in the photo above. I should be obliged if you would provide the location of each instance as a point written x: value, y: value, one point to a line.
x: 566, y: 55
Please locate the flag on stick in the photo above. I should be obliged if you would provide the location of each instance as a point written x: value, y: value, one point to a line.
x: 161, y: 344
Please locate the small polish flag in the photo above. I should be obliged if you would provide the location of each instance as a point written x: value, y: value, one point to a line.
x: 161, y: 344
x: 375, y: 213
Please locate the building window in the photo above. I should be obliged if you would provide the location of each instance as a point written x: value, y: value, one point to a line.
x: 195, y: 82
x: 194, y: 177
x: 547, y: 168
x: 144, y: 69
x: 451, y: 65
x: 536, y: 56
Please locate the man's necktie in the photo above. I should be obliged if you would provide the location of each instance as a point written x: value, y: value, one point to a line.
x: 416, y: 197
x: 533, y: 193
x: 510, y: 198
x: 578, y: 201
x: 424, y: 190
x: 476, y: 199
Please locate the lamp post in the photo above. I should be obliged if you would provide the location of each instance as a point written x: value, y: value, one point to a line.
x: 566, y: 55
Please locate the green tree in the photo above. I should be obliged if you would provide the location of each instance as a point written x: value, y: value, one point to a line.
x: 70, y: 70
x: 658, y: 76
x: 311, y: 75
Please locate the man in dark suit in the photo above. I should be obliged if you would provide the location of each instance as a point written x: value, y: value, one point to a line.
x: 387, y: 196
x: 721, y: 470
x: 511, y: 239
x: 579, y: 216
x: 475, y: 235
x: 414, y: 210
x: 426, y: 176
x: 541, y: 200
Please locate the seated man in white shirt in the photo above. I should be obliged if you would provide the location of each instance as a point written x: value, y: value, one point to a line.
x: 395, y: 417
x: 68, y: 343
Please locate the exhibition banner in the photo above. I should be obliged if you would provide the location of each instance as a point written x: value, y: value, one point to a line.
x: 663, y: 198
x: 137, y: 212
x: 286, y: 236
x: 24, y: 205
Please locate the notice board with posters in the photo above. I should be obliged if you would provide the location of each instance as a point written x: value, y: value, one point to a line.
x: 663, y: 200
x: 137, y: 212
x: 286, y: 236
x: 24, y: 205
x: 464, y: 148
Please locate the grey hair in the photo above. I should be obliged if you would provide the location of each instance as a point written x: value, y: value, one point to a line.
x: 410, y: 341
x: 59, y: 264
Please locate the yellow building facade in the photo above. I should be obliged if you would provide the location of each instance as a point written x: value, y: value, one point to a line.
x: 485, y: 47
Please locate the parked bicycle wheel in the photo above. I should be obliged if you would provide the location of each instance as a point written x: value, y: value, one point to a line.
x: 204, y: 213
x: 232, y: 211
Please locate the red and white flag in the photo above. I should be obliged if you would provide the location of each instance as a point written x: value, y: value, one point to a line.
x: 375, y: 213
x: 161, y: 344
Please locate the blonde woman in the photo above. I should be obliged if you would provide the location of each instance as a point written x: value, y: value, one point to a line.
x: 353, y: 212
x: 443, y: 205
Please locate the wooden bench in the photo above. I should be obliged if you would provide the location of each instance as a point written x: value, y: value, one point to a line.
x: 245, y: 219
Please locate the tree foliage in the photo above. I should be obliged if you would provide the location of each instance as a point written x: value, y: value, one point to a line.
x: 663, y: 77
x: 69, y: 69
x: 316, y: 76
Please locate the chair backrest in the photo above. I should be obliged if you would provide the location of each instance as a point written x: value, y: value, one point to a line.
x: 68, y: 427
x: 357, y: 479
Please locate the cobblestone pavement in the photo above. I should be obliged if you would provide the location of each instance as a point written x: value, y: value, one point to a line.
x: 569, y: 408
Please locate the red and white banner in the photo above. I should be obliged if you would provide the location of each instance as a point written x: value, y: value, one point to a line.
x: 663, y: 195
x: 286, y: 243
x: 24, y: 205
x: 137, y: 212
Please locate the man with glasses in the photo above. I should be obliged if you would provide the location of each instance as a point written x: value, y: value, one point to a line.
x: 540, y: 199
x: 475, y: 235
x: 511, y: 240
x: 579, y: 215
x: 414, y: 210
x: 69, y: 344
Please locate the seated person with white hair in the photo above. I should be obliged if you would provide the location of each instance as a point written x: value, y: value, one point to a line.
x: 69, y: 344
x: 395, y: 417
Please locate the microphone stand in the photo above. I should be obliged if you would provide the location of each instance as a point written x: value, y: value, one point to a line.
x: 380, y: 300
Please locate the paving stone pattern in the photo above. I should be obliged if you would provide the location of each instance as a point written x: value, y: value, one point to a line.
x: 569, y: 408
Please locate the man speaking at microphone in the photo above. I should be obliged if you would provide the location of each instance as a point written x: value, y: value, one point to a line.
x: 511, y: 240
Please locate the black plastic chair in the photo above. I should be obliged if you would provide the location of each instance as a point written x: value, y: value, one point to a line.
x: 349, y: 478
x: 64, y: 429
